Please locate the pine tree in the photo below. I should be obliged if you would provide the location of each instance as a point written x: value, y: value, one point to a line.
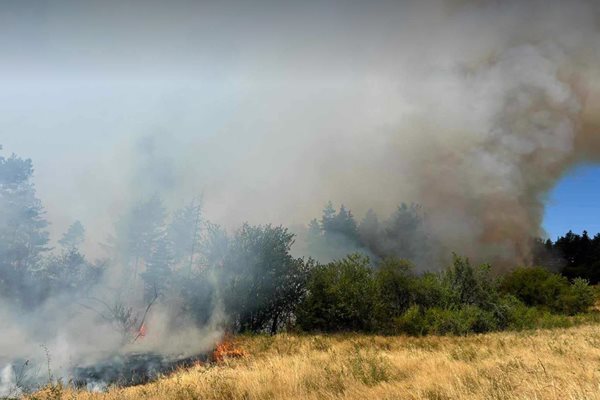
x: 369, y: 232
x: 73, y: 237
x: 184, y: 234
x: 328, y: 218
x: 23, y: 235
x: 404, y: 235
x: 314, y: 237
x: 344, y: 224
x: 138, y: 232
x: 157, y: 275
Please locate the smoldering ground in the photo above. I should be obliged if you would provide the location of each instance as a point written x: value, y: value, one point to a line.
x: 70, y: 335
x: 472, y: 109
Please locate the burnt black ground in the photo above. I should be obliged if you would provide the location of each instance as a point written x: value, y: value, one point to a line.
x: 130, y: 369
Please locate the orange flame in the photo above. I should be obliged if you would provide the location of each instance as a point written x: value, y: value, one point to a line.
x: 142, y: 331
x: 227, y: 349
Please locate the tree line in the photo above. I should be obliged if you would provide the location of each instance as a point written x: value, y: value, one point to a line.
x: 251, y: 277
x: 573, y: 255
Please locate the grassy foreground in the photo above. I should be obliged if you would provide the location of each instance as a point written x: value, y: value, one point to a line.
x: 543, y: 364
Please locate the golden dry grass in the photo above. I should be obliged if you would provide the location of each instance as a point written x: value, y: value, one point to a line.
x: 543, y: 364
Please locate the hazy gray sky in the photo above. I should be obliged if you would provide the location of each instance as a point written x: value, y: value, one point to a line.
x: 84, y: 82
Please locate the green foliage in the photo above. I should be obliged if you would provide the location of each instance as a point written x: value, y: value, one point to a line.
x: 261, y: 282
x: 263, y: 288
x: 395, y: 291
x: 412, y: 322
x: 446, y: 321
x: 462, y: 299
x: 579, y: 298
x: 459, y: 321
x: 469, y: 285
x: 430, y: 291
x: 535, y: 286
x: 341, y: 297
x: 520, y: 316
x: 523, y: 317
x: 541, y: 288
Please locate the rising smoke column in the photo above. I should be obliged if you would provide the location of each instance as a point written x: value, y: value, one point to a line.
x: 500, y: 126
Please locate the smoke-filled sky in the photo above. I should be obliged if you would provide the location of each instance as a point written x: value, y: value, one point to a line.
x: 270, y: 109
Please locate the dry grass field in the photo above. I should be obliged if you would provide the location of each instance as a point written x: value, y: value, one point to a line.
x: 543, y: 364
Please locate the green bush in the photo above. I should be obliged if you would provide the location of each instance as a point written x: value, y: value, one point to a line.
x: 462, y: 299
x: 538, y: 287
x: 460, y: 321
x: 470, y: 285
x: 412, y: 322
x: 341, y: 297
x: 394, y: 282
x: 461, y: 284
x: 446, y: 321
x: 519, y: 316
x: 579, y: 298
x: 348, y: 295
x: 535, y: 286
x: 430, y: 291
x: 524, y: 317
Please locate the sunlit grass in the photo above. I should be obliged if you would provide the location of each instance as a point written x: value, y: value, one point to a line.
x: 543, y: 364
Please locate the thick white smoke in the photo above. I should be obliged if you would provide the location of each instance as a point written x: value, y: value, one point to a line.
x: 500, y: 121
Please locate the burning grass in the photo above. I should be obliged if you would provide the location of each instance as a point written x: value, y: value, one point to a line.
x: 227, y: 349
x: 542, y: 364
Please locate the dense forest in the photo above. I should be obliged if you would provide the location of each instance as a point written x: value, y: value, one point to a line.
x: 370, y: 284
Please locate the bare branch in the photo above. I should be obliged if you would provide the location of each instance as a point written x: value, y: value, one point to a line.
x: 139, y: 331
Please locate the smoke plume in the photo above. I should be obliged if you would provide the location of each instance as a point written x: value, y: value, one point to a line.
x: 471, y: 109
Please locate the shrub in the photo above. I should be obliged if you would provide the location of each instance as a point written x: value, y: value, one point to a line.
x: 460, y: 321
x: 340, y: 297
x: 462, y: 299
x: 579, y: 298
x: 446, y: 321
x: 469, y: 285
x: 412, y: 322
x: 347, y: 295
x: 394, y: 282
x: 518, y: 315
x: 538, y: 287
x: 535, y: 286
x: 430, y: 291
